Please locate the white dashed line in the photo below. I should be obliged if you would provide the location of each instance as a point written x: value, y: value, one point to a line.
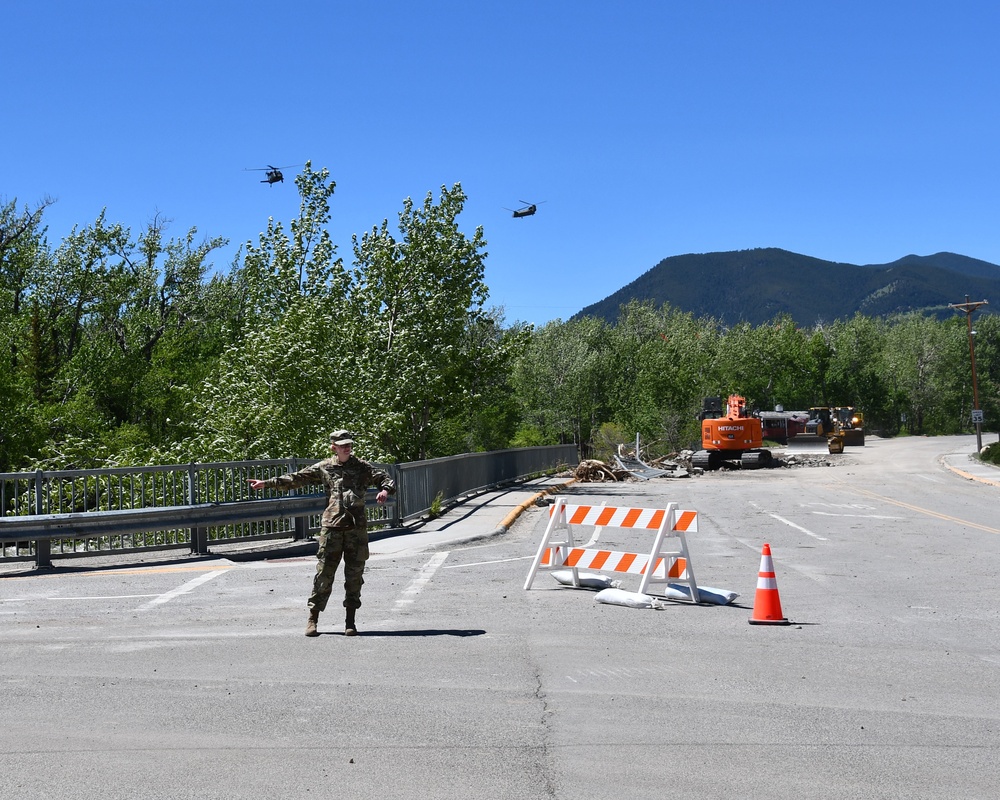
x: 410, y: 593
x: 191, y: 585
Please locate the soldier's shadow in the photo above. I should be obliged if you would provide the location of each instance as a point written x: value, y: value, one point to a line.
x: 425, y: 632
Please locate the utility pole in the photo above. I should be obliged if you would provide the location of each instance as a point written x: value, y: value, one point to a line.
x: 977, y: 412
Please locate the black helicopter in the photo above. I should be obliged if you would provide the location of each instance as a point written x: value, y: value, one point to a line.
x: 273, y: 173
x: 527, y: 210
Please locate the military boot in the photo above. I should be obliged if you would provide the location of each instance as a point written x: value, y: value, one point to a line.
x: 350, y: 628
x: 311, y: 624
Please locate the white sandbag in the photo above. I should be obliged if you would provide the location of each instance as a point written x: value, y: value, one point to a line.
x: 619, y: 597
x: 588, y: 580
x: 706, y: 594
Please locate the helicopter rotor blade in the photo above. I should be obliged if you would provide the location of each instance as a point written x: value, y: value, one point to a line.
x: 269, y: 168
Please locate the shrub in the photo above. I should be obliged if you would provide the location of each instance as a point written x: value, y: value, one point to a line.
x: 991, y: 453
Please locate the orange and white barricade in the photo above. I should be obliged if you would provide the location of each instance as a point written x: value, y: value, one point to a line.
x: 667, y: 561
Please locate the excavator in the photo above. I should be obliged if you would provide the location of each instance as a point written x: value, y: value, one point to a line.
x: 735, y: 435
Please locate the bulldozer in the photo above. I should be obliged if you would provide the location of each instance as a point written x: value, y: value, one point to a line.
x: 837, y: 426
x: 823, y: 424
x: 851, y: 423
x: 733, y: 435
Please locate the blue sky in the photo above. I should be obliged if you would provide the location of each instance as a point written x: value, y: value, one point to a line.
x: 849, y: 131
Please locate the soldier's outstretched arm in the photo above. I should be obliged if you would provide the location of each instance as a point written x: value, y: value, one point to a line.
x: 291, y: 480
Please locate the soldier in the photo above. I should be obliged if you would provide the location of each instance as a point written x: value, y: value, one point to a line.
x: 344, y: 532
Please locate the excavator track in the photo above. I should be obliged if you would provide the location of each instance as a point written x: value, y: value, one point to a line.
x: 757, y: 459
x: 706, y: 460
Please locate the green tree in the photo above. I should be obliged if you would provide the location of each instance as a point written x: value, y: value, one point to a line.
x: 914, y: 360
x: 657, y: 371
x: 857, y: 375
x: 987, y: 346
x: 417, y: 303
x: 489, y: 420
x: 285, y: 377
x: 561, y: 381
x: 21, y: 240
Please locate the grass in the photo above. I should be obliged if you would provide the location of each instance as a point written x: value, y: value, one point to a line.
x: 436, y: 506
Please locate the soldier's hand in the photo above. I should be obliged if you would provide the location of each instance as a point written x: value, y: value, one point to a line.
x: 255, y: 484
x: 382, y: 496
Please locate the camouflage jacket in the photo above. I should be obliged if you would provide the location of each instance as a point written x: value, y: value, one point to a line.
x: 345, y: 486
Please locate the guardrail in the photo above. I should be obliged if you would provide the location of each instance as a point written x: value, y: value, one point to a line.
x: 419, y: 483
x: 131, y: 509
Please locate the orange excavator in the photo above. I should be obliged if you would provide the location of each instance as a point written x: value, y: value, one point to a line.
x: 735, y: 435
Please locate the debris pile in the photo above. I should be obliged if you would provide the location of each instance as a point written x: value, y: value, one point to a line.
x: 807, y: 460
x: 593, y: 471
x: 678, y: 465
x: 779, y: 458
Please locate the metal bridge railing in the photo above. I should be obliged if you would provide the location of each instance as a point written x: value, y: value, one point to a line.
x: 61, y: 513
x: 420, y: 483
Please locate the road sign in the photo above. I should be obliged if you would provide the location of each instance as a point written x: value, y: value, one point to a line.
x: 977, y: 415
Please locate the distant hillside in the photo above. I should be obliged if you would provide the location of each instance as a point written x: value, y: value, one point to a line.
x: 757, y: 285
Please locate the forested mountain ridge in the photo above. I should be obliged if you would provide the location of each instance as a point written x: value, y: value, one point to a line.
x: 757, y: 285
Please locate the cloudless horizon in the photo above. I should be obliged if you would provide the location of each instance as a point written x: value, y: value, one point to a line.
x: 852, y: 132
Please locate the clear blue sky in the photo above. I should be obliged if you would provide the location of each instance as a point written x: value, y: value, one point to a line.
x: 849, y: 131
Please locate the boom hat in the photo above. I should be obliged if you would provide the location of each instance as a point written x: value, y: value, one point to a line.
x: 342, y: 437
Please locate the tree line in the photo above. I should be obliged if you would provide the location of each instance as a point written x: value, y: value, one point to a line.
x: 124, y: 350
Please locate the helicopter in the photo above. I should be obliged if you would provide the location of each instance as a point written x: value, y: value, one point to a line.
x: 526, y: 210
x: 273, y: 173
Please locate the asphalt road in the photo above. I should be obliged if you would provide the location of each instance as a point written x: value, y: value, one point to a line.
x: 192, y: 679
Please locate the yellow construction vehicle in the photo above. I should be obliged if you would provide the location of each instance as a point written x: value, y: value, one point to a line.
x: 851, y: 424
x: 821, y: 428
x: 838, y: 426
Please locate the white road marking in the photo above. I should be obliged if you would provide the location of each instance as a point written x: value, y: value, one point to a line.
x: 417, y: 584
x: 863, y: 516
x: 797, y: 527
x: 104, y: 597
x: 852, y: 506
x: 487, y: 563
x: 791, y: 524
x: 190, y: 586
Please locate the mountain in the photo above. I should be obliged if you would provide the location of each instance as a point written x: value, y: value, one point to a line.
x: 756, y: 285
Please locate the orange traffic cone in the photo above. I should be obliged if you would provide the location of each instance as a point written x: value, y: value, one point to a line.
x: 767, y: 604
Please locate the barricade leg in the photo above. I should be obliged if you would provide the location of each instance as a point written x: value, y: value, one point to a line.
x: 557, y: 521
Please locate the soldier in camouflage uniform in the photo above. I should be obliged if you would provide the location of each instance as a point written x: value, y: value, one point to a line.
x: 344, y: 532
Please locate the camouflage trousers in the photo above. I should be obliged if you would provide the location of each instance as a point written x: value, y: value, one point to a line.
x: 336, y: 544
